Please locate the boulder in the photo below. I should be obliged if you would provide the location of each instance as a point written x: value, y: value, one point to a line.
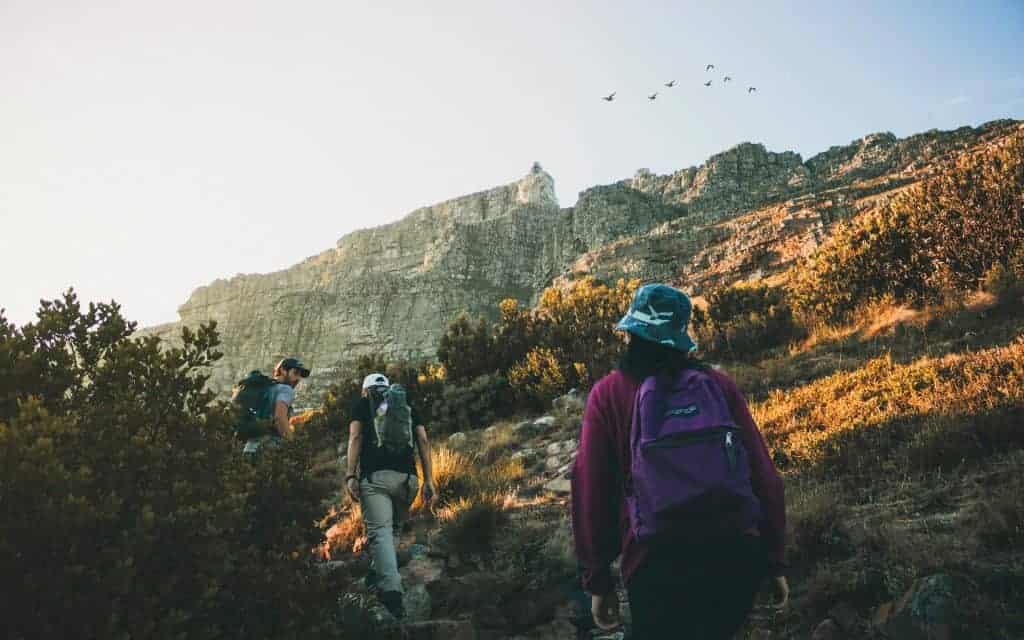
x: 559, y: 485
x: 526, y: 430
x: 457, y: 439
x: 528, y: 456
x: 927, y: 611
x: 417, y: 603
x: 423, y: 570
x: 571, y: 402
x: 545, y: 421
x: 553, y: 463
x: 565, y: 447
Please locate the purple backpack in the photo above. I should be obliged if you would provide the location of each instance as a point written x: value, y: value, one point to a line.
x: 690, y: 474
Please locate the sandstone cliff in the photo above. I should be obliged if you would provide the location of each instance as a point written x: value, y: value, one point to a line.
x: 742, y: 214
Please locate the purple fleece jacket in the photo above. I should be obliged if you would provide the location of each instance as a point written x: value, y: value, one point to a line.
x: 599, y: 518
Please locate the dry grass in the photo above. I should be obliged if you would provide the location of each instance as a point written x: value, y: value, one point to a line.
x: 497, y: 444
x: 348, y: 535
x: 458, y: 476
x: 816, y: 517
x: 999, y: 516
x: 851, y: 418
x: 471, y: 525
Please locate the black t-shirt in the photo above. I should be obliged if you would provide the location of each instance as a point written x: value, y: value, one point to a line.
x: 372, y: 457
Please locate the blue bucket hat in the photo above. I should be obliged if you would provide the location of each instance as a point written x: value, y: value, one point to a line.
x: 660, y: 314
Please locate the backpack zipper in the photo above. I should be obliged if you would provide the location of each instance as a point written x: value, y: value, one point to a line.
x: 730, y: 451
x: 682, y: 439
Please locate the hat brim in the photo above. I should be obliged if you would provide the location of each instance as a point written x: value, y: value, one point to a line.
x: 678, y: 340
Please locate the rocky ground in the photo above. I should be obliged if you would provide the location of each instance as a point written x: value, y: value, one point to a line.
x: 474, y: 596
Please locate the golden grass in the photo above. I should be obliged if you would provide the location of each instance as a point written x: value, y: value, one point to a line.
x: 459, y: 476
x: 472, y: 524
x: 806, y: 424
x: 348, y: 535
x: 496, y: 444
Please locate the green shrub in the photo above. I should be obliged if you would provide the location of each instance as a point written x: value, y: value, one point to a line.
x: 576, y: 321
x: 939, y: 237
x: 743, y: 321
x: 471, y: 526
x: 540, y: 377
x: 127, y: 510
x: 466, y: 349
x: 471, y: 405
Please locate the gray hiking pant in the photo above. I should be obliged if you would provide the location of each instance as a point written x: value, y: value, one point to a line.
x: 385, y: 498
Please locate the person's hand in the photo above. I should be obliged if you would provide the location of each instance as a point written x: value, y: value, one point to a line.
x: 429, y: 492
x: 781, y: 587
x: 605, y: 609
x: 352, y: 484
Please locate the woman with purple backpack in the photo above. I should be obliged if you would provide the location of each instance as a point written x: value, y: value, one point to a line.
x: 673, y: 475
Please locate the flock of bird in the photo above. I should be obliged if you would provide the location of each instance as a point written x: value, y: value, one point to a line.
x: 672, y: 83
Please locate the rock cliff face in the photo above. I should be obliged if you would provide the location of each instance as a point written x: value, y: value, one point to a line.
x: 393, y: 289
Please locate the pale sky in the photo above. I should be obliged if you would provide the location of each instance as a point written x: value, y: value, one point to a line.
x: 147, y: 148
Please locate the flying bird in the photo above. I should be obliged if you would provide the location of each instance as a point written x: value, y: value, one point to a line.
x: 709, y: 67
x: 726, y: 79
x: 653, y: 96
x: 751, y: 89
x: 707, y: 84
x: 670, y: 84
x: 609, y: 97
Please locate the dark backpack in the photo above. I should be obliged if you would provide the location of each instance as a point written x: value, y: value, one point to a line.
x: 392, y: 422
x: 252, y: 397
x: 690, y: 474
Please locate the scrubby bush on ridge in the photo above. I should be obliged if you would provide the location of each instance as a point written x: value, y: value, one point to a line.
x: 126, y: 507
x: 940, y: 237
x: 741, y: 321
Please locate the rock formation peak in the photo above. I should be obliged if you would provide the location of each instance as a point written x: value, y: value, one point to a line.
x: 392, y: 290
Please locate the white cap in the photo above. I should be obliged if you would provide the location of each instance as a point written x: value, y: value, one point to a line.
x: 375, y: 380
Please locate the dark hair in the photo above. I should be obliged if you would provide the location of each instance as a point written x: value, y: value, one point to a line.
x: 644, y: 358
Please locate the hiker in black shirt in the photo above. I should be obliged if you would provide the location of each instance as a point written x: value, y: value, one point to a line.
x: 385, y: 436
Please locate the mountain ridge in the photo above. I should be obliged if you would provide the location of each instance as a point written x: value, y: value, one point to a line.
x: 393, y: 289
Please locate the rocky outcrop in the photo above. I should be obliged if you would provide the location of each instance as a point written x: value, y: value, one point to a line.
x: 392, y: 290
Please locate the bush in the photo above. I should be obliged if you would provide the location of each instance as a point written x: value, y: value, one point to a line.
x: 471, y: 526
x: 127, y: 509
x: 539, y: 378
x: 576, y: 321
x: 743, y: 321
x: 943, y: 235
x: 471, y: 405
x: 466, y: 349
x: 579, y: 322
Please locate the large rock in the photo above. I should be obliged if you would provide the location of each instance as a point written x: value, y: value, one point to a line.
x: 417, y: 602
x: 412, y: 277
x: 929, y: 610
x: 559, y: 485
x: 570, y: 403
